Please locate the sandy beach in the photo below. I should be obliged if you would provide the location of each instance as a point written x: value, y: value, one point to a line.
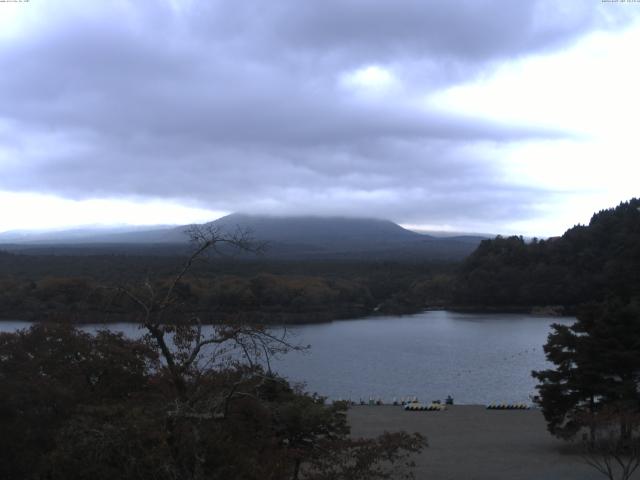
x: 472, y: 443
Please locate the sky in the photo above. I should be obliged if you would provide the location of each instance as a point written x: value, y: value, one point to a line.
x: 489, y: 116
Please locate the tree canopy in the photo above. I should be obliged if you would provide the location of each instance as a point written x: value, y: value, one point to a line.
x: 587, y: 263
x: 597, y: 365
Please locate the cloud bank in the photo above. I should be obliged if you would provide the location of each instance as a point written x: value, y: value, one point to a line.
x: 274, y: 107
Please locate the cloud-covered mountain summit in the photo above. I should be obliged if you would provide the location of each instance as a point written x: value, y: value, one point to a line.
x: 303, y: 237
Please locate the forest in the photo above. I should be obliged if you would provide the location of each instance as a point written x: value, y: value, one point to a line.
x: 84, y: 288
x: 588, y: 263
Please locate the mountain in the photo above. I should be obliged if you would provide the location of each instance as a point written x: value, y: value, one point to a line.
x: 348, y: 238
x: 328, y: 231
x: 298, y: 237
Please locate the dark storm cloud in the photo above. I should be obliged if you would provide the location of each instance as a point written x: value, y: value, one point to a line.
x: 243, y: 105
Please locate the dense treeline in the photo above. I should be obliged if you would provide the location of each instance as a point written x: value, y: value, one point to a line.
x: 588, y: 263
x: 84, y: 289
x: 261, y: 298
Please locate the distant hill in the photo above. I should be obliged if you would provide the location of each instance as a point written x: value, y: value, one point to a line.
x: 310, y: 230
x: 98, y: 234
x: 303, y: 237
x: 342, y: 237
x: 587, y: 263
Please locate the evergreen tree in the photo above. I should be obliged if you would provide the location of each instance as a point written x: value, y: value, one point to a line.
x: 597, y: 364
x: 588, y: 263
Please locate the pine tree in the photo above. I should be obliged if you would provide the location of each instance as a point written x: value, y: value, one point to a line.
x: 597, y: 364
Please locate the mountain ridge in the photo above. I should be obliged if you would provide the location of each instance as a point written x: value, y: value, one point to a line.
x: 286, y: 236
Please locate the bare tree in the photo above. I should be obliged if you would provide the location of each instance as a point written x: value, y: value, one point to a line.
x: 613, y: 448
x: 183, y: 342
x: 191, y: 351
x: 218, y: 383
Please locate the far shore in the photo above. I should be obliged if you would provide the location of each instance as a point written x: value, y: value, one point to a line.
x: 541, y: 310
x: 469, y: 442
x: 94, y: 318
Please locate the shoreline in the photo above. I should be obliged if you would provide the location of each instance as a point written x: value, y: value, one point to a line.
x: 536, y: 310
x: 541, y: 311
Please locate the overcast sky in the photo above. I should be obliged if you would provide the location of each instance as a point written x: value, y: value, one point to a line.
x: 489, y: 116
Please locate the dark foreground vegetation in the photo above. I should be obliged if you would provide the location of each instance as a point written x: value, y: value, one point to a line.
x: 76, y: 406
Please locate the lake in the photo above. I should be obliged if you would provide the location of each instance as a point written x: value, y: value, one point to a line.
x: 476, y: 358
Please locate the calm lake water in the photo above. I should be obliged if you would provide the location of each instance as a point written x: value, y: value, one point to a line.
x: 476, y: 358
